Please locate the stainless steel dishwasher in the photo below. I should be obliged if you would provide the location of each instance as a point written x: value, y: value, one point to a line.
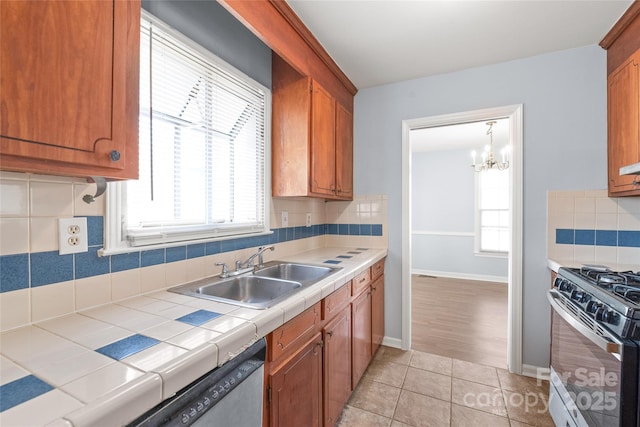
x: 230, y: 395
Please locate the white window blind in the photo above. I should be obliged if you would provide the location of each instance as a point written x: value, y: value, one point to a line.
x: 493, y: 211
x: 202, y: 145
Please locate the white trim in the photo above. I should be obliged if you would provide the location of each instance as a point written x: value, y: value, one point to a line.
x: 536, y: 372
x: 464, y: 276
x: 444, y: 233
x: 514, y: 114
x: 392, y: 342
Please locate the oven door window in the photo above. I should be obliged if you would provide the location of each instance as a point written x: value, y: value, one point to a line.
x: 593, y: 377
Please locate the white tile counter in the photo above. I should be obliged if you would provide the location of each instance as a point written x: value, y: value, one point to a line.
x: 107, y: 365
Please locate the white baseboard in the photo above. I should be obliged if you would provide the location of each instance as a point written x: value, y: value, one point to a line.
x: 535, y: 372
x: 465, y: 276
x: 392, y: 342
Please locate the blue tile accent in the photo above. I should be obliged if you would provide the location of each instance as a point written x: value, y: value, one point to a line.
x: 354, y: 252
x: 365, y: 229
x: 177, y: 253
x: 344, y: 256
x: 227, y: 246
x: 332, y: 228
x: 127, y: 346
x: 199, y: 317
x: 362, y: 249
x: 152, y: 257
x: 212, y: 248
x: 585, y: 237
x: 332, y: 261
x: 343, y: 229
x: 195, y: 251
x: 564, y: 236
x: 21, y: 390
x: 95, y: 230
x: 123, y: 262
x: 14, y: 272
x: 50, y: 267
x: 376, y: 229
x: 354, y: 229
x: 89, y: 264
x: 629, y: 239
x: 606, y: 238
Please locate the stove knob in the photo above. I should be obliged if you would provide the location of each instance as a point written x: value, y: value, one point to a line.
x: 604, y: 315
x: 592, y: 306
x: 566, y: 286
x: 578, y: 296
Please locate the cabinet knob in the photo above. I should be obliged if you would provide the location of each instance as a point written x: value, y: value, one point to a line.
x: 115, y: 155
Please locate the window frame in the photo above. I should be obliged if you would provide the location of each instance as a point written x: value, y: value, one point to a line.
x: 477, y: 222
x: 115, y: 197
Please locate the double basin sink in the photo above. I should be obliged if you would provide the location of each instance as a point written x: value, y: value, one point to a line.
x: 260, y: 289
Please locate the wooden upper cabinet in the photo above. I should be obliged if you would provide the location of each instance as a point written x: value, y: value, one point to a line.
x: 624, y: 125
x: 312, y: 140
x: 344, y: 152
x: 622, y: 43
x: 69, y: 87
x: 323, y: 146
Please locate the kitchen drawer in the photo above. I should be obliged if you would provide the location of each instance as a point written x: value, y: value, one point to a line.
x: 377, y: 269
x: 334, y: 302
x: 290, y: 336
x: 361, y: 281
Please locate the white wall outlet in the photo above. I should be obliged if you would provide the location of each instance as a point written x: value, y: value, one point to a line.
x: 308, y: 220
x: 72, y: 235
x: 285, y: 219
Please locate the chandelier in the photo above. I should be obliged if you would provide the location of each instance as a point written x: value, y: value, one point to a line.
x: 488, y: 160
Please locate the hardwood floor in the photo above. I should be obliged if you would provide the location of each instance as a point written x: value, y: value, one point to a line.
x: 461, y: 319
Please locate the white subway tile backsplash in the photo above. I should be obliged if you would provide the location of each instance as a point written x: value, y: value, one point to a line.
x: 51, y: 199
x: 606, y: 205
x: 585, y: 220
x: 15, y: 309
x: 629, y: 205
x: 82, y: 208
x: 93, y: 291
x: 52, y: 301
x: 152, y: 278
x: 629, y: 221
x: 606, y: 221
x: 44, y: 234
x: 585, y: 204
x: 125, y: 284
x: 15, y: 236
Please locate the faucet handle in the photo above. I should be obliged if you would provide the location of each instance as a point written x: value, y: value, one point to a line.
x: 225, y: 269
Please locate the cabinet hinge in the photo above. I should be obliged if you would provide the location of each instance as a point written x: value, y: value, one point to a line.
x: 268, y: 395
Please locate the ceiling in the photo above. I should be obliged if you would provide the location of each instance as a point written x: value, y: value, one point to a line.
x: 380, y: 42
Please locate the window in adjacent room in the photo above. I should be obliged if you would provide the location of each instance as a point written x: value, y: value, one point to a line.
x: 492, y: 212
x: 203, y: 148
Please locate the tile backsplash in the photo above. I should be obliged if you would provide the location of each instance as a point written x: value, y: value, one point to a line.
x: 590, y: 227
x: 37, y: 283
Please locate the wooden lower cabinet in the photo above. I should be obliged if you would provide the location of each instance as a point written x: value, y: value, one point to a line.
x: 377, y: 313
x: 296, y: 388
x: 361, y: 340
x: 337, y: 366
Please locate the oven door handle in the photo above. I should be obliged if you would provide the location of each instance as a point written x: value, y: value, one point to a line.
x: 608, y: 344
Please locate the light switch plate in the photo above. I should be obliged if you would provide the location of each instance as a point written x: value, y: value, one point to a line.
x: 308, y: 220
x: 72, y: 235
x: 285, y: 219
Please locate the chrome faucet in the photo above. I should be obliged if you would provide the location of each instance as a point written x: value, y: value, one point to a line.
x: 249, y: 262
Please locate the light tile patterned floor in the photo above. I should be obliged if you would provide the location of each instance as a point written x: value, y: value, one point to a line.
x: 412, y: 388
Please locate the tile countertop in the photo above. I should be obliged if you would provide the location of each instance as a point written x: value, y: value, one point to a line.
x: 555, y: 264
x: 107, y: 365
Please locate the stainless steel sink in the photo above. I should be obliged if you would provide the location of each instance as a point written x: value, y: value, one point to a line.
x: 247, y: 291
x: 302, y: 273
x: 261, y: 289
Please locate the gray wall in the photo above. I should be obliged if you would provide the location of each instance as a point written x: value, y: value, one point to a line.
x: 211, y: 26
x: 564, y: 97
x: 435, y: 176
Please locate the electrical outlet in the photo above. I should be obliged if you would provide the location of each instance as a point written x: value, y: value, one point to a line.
x: 285, y: 219
x: 72, y: 235
x: 308, y: 220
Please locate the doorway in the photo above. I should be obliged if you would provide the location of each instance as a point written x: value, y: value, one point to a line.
x: 512, y: 115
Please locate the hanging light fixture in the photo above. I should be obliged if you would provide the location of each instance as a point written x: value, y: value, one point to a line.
x: 488, y: 160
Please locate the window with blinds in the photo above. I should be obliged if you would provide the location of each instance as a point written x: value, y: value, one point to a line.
x: 203, y: 145
x: 492, y: 216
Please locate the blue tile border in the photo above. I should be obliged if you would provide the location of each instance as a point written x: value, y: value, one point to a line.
x: 127, y: 346
x: 619, y: 238
x: 199, y: 317
x: 21, y: 271
x: 21, y: 390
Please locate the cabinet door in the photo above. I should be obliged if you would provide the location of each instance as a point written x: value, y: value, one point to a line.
x: 377, y: 313
x: 337, y: 366
x: 361, y: 341
x: 69, y: 87
x: 296, y: 388
x: 344, y: 152
x: 624, y: 124
x: 323, y: 128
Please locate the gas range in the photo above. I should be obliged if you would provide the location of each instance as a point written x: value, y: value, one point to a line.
x: 608, y: 297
